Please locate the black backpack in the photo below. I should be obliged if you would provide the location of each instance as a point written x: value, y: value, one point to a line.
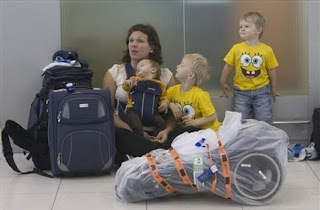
x: 315, y: 136
x: 34, y: 139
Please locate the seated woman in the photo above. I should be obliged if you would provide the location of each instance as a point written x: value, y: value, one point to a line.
x: 142, y: 43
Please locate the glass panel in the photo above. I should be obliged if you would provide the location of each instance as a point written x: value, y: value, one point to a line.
x: 209, y: 32
x: 97, y: 30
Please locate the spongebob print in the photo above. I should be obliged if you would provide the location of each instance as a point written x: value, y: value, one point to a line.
x: 195, y: 104
x: 251, y: 64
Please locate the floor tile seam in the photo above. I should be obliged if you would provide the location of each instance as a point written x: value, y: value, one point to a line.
x: 30, y: 193
x: 318, y: 177
x: 56, y: 194
x: 74, y: 193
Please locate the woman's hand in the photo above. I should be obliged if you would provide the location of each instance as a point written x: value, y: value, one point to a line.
x: 147, y: 136
x: 161, y: 137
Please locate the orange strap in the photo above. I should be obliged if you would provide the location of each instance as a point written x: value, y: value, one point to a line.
x: 154, y: 172
x: 180, y: 168
x: 214, y: 181
x: 225, y: 168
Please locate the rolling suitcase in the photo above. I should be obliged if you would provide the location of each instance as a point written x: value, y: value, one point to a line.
x: 81, y: 132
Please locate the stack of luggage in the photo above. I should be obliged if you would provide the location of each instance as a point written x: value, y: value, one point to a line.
x: 70, y: 129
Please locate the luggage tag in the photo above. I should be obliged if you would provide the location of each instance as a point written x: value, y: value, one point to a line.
x: 197, y: 171
x: 207, y: 173
x: 70, y: 87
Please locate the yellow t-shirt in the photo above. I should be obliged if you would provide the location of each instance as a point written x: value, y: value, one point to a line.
x: 251, y: 64
x: 195, y: 103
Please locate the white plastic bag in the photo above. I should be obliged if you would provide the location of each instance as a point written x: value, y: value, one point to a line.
x: 256, y: 160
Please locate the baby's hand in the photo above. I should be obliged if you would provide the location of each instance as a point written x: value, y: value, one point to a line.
x: 128, y: 82
x: 134, y: 80
x: 163, y: 107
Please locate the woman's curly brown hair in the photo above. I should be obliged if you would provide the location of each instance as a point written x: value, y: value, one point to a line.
x: 153, y: 40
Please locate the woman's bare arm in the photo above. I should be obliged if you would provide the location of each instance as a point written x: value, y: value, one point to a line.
x: 109, y: 82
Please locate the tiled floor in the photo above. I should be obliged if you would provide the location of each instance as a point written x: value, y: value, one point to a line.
x: 23, y: 192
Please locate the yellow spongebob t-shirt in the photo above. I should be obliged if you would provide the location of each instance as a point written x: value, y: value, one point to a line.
x: 251, y: 64
x: 195, y: 103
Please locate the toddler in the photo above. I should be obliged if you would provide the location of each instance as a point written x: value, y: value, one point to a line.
x: 188, y: 102
x: 255, y: 71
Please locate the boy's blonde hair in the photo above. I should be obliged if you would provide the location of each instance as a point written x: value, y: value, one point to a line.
x: 257, y: 19
x: 199, y: 66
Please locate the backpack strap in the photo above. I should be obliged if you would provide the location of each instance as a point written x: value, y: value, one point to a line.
x: 122, y: 106
x: 129, y: 70
x: 8, y: 154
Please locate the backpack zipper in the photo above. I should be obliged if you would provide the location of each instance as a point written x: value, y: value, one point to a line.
x: 59, y: 159
x: 59, y: 116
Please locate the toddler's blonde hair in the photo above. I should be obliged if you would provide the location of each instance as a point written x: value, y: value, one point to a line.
x: 257, y: 19
x: 199, y: 66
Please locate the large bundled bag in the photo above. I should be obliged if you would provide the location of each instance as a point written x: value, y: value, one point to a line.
x: 243, y: 161
x: 34, y: 139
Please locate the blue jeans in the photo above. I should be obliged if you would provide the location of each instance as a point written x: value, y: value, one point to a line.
x: 254, y: 103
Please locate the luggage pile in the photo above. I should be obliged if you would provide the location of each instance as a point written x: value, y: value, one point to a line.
x: 70, y: 129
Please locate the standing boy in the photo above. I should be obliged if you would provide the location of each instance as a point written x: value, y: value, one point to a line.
x: 255, y: 71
